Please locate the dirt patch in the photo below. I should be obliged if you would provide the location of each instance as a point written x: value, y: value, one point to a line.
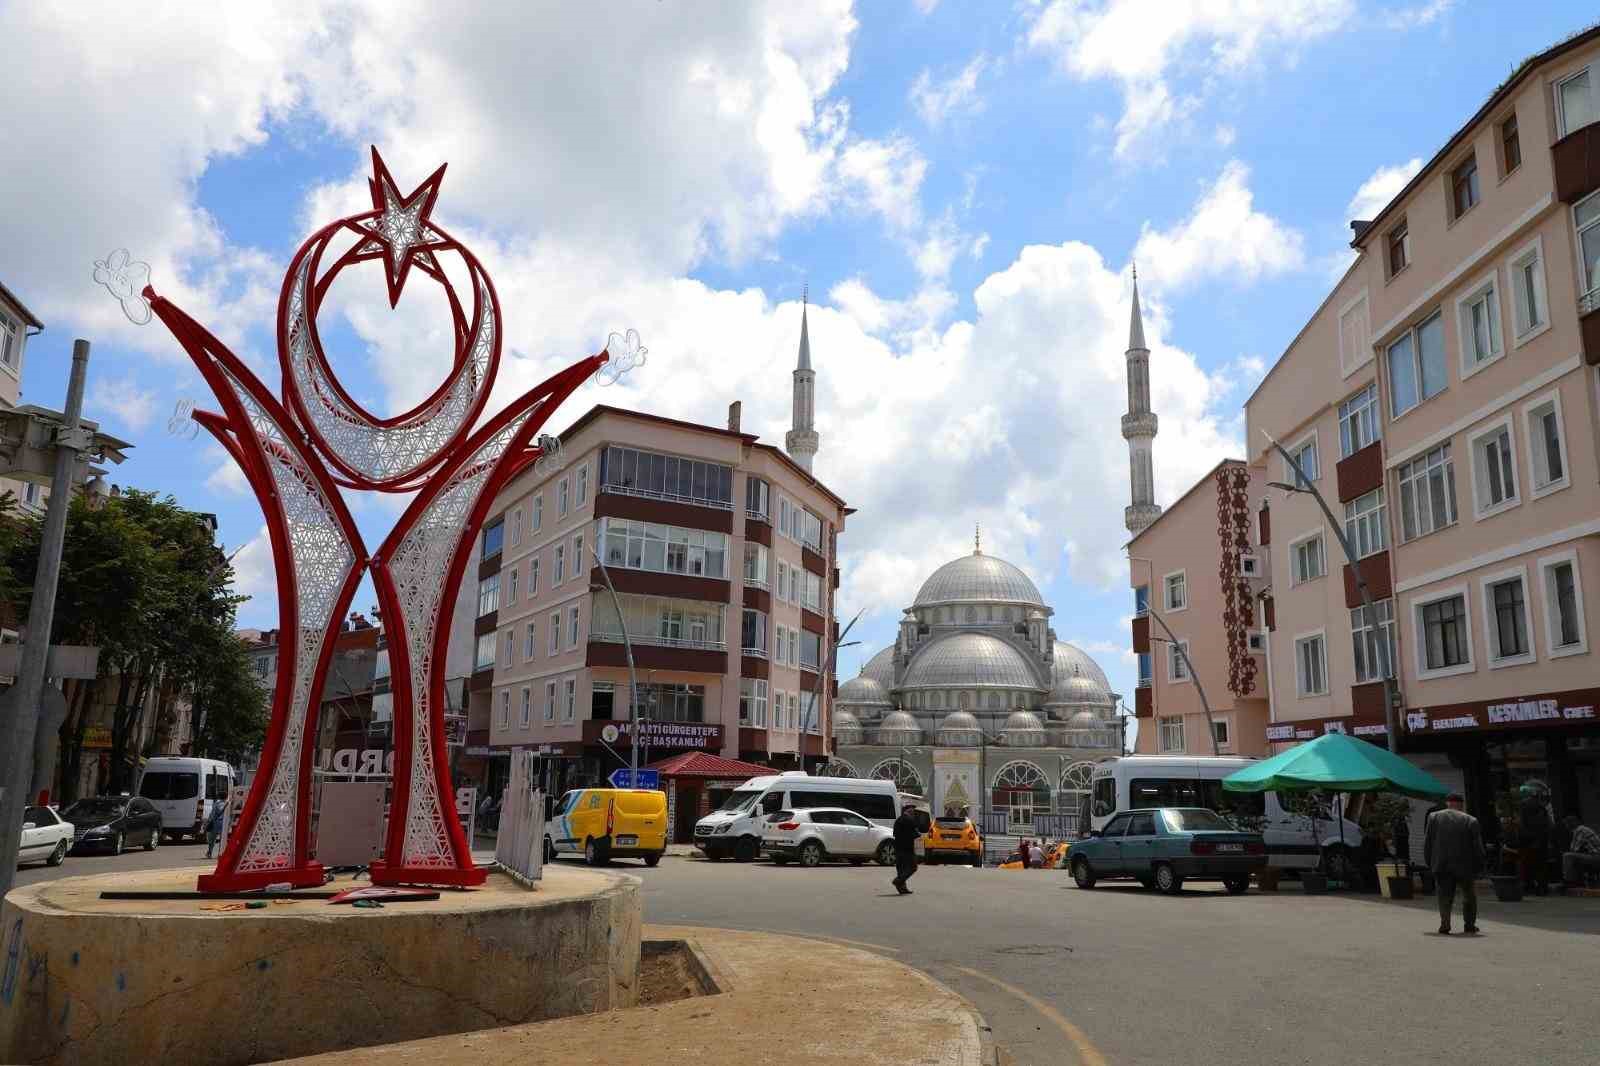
x: 667, y: 973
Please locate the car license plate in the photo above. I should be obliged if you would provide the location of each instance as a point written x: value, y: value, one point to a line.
x: 627, y: 841
x: 1230, y: 847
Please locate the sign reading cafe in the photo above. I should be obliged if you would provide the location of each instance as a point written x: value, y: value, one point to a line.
x: 1509, y: 714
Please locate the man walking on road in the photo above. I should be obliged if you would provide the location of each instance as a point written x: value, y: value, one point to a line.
x: 905, y: 848
x: 1454, y: 852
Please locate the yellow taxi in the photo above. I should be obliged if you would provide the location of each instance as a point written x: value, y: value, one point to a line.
x: 602, y: 824
x: 953, y: 839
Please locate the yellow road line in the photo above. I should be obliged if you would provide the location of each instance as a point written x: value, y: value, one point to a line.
x: 1088, y: 1054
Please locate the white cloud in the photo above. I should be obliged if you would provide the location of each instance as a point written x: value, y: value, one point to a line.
x: 1408, y: 18
x: 1143, y: 46
x: 1224, y: 236
x: 885, y: 176
x: 1376, y: 192
x: 925, y: 6
x: 122, y: 402
x: 936, y: 101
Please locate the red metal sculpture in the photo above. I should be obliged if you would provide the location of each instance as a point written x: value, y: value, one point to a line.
x: 1233, y: 530
x: 296, y: 454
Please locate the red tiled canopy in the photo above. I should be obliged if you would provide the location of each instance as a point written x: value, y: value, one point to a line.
x: 701, y: 764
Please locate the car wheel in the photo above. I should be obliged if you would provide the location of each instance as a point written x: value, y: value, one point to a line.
x: 1167, y: 879
x: 592, y: 853
x: 811, y: 853
x: 885, y: 855
x: 152, y: 840
x: 1236, y: 886
x: 116, y: 844
x: 977, y: 860
x: 653, y: 858
x: 1081, y: 872
x: 59, y: 856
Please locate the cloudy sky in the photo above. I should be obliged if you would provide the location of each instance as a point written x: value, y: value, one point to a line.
x: 964, y: 186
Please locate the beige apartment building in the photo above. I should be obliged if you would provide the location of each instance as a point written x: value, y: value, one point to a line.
x: 722, y: 553
x: 17, y: 324
x: 1445, y: 401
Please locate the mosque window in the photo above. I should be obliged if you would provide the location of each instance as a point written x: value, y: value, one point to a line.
x: 972, y: 615
x: 961, y: 701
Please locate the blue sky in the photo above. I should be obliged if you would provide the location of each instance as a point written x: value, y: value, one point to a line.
x: 963, y: 186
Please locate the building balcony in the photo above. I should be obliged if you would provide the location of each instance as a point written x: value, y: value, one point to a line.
x: 1380, y: 583
x: 1144, y: 701
x: 1576, y: 162
x: 692, y: 657
x: 1360, y: 472
x: 1589, y: 326
x: 1141, y: 634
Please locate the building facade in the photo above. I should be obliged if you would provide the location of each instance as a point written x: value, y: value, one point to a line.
x: 17, y: 324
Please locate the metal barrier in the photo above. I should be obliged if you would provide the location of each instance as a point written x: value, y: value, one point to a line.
x: 519, y: 848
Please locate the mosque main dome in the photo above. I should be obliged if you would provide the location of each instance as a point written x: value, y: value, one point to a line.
x: 978, y: 578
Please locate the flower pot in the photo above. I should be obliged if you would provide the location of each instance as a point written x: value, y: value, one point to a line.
x: 1315, y: 884
x: 1386, y: 872
x: 1267, y: 878
x: 1396, y: 887
x: 1507, y: 888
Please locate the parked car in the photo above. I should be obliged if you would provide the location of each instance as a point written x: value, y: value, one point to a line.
x: 953, y: 840
x: 602, y: 824
x: 735, y: 829
x: 44, y: 836
x: 822, y: 834
x: 111, y: 823
x: 184, y: 789
x: 1164, y: 846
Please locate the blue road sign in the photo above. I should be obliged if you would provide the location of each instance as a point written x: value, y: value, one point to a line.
x: 622, y: 777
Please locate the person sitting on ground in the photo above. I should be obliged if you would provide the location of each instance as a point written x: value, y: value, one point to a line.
x: 1582, y: 856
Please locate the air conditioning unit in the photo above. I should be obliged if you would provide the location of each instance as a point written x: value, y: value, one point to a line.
x: 1257, y: 641
x: 1249, y: 566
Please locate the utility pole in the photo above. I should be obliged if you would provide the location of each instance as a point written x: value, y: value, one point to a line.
x: 19, y: 712
x: 1391, y: 692
x: 822, y: 674
x: 633, y: 680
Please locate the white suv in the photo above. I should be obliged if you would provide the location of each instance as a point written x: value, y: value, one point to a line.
x: 822, y: 833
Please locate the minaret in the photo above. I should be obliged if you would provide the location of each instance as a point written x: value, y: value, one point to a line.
x: 1139, y: 425
x: 801, y: 441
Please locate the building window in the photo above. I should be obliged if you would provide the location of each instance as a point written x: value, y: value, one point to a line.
x: 1311, y: 665
x: 658, y: 621
x: 1464, y: 186
x: 1177, y: 591
x: 810, y: 650
x: 10, y: 332
x: 664, y: 549
x: 1355, y: 335
x: 1527, y: 293
x: 583, y: 485
x: 1417, y: 365
x: 1399, y: 243
x: 1427, y: 493
x: 538, y: 510
x: 530, y: 643
x: 1545, y: 437
x: 1505, y: 600
x: 753, y: 702
x: 1575, y: 102
x: 527, y: 707
x: 811, y: 593
x: 487, y: 647
x: 1510, y: 145
x: 572, y: 699
x: 666, y: 477
x: 562, y: 502
x: 755, y: 564
x: 1366, y: 524
x: 1586, y: 216
x: 1563, y: 600
x: 1141, y: 600
x: 493, y: 539
x: 782, y: 590
x: 1306, y: 559
x: 555, y: 633
x: 1358, y: 421
x: 533, y: 576
x: 1372, y: 634
x: 578, y: 561
x: 1446, y: 634
x: 753, y: 633
x: 550, y: 701
x: 1480, y: 326
x: 1172, y: 733
x: 572, y: 627
x: 505, y: 709
x: 561, y: 565
x: 1219, y: 732
x: 1305, y: 458
x: 1494, y: 470
x: 516, y: 527
x: 489, y: 595
x: 810, y: 530
x: 1177, y: 666
x: 1144, y: 669
x: 756, y: 496
x: 511, y: 587
x: 781, y: 647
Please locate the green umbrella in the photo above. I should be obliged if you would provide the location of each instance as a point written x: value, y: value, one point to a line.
x: 1335, y: 762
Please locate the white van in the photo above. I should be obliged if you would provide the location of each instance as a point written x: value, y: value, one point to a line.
x: 1135, y: 781
x: 183, y: 788
x: 734, y: 829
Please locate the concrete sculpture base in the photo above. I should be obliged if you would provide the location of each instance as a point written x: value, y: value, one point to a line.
x: 86, y: 980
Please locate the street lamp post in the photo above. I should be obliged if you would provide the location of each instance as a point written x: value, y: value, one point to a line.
x: 1303, y: 484
x: 1183, y: 653
x: 822, y: 673
x: 633, y: 680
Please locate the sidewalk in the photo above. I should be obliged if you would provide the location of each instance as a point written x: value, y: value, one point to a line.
x: 784, y: 999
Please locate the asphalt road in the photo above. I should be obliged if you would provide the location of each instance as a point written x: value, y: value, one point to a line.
x: 1121, y: 975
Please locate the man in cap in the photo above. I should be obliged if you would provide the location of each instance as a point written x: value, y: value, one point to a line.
x: 1454, y: 852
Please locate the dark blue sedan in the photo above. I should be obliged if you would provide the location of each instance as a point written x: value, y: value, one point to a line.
x: 1162, y: 847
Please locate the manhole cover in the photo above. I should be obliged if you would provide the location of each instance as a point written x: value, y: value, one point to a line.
x: 1033, y: 949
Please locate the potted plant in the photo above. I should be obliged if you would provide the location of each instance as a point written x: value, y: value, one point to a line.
x: 1385, y: 816
x: 1307, y: 805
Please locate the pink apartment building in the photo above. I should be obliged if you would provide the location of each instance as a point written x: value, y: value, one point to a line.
x: 1445, y: 400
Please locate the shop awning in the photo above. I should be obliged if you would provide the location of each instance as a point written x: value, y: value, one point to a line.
x: 701, y: 764
x: 1336, y: 763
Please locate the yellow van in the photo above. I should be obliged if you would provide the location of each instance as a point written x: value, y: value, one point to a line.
x: 602, y: 824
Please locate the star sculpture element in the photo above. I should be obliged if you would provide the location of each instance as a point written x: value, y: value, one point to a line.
x: 402, y: 226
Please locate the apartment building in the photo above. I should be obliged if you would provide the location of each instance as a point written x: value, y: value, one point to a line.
x: 1445, y: 401
x: 721, y: 552
x: 17, y: 324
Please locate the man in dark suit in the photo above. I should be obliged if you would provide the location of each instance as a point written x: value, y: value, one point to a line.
x: 1454, y: 852
x: 906, y: 832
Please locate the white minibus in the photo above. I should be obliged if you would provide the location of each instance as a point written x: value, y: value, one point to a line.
x: 184, y: 788
x: 734, y: 829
